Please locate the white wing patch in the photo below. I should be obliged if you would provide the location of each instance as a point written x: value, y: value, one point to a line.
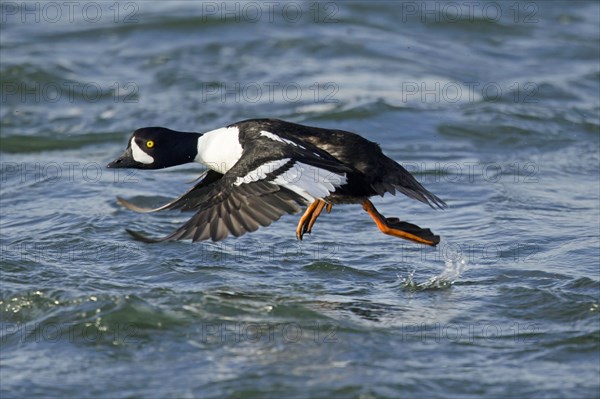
x: 275, y: 137
x: 261, y: 172
x: 310, y: 182
x: 139, y: 155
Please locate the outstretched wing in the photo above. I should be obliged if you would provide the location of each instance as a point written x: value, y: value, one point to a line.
x: 256, y: 191
x: 238, y: 211
x: 185, y: 202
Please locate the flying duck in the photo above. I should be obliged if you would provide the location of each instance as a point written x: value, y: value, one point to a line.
x: 261, y: 169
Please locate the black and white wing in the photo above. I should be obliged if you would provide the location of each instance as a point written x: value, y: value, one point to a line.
x: 185, y: 202
x: 256, y: 191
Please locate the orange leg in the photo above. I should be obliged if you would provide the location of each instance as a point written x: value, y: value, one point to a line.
x: 307, y: 214
x: 310, y: 217
x: 315, y: 215
x: 382, y: 224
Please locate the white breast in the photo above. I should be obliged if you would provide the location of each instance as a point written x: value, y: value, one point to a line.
x: 219, y: 149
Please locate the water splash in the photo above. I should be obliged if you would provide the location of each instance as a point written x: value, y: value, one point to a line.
x: 451, y: 273
x: 408, y: 282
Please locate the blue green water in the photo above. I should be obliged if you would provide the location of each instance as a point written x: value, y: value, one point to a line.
x: 494, y: 106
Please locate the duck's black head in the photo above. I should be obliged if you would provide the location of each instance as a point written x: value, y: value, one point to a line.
x: 156, y: 148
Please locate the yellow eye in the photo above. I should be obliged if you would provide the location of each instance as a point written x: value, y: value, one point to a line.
x: 149, y: 143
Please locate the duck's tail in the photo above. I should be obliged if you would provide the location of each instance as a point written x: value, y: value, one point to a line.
x: 399, y: 179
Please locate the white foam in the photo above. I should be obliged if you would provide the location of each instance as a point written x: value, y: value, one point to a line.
x: 451, y: 273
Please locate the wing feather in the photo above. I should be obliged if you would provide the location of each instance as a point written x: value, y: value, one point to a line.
x: 182, y: 202
x: 250, y: 194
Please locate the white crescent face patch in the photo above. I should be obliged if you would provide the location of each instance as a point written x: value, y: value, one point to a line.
x: 139, y: 155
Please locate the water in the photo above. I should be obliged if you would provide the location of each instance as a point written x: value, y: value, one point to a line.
x: 496, y: 114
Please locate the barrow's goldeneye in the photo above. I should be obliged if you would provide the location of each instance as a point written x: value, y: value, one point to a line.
x: 260, y: 169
